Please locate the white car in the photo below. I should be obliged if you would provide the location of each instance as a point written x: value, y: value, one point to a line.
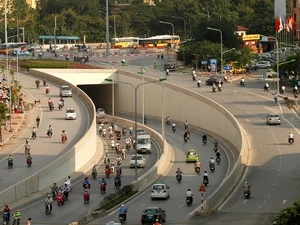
x: 263, y: 65
x: 271, y: 74
x: 100, y: 113
x: 140, y: 161
x: 70, y: 114
x: 160, y: 190
x: 273, y: 118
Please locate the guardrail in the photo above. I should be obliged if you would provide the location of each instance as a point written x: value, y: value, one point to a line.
x: 73, y: 160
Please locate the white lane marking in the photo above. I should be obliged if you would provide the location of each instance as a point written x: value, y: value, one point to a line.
x: 245, y: 201
x: 284, y: 201
x: 181, y: 205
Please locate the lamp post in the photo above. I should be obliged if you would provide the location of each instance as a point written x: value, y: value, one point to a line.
x: 169, y: 24
x: 222, y: 57
x: 215, y: 29
x: 107, y: 30
x: 184, y: 24
x: 135, y: 108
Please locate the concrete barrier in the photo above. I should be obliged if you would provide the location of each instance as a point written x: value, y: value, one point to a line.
x: 182, y: 104
x: 72, y: 160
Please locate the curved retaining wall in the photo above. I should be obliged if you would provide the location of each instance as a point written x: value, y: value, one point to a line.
x: 182, y: 104
x: 73, y: 160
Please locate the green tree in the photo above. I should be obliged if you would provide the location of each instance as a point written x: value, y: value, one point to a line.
x: 3, y: 111
x: 289, y: 216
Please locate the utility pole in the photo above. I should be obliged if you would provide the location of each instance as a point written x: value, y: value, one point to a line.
x: 107, y: 30
x: 54, y: 32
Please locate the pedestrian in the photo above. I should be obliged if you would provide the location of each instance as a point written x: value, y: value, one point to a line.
x: 28, y: 221
x: 38, y: 119
x: 162, y: 56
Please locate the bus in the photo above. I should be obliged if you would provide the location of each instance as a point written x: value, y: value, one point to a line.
x: 125, y: 42
x: 7, y: 48
x: 159, y: 41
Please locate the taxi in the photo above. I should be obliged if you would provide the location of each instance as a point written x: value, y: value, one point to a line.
x: 192, y: 156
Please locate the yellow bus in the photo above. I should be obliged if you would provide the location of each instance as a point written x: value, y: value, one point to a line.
x: 125, y: 42
x: 159, y: 41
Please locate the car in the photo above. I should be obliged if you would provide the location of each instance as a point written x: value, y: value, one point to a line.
x: 270, y: 73
x: 100, y: 113
x: 192, y: 156
x: 140, y: 131
x: 273, y: 118
x: 70, y: 114
x: 150, y: 214
x: 170, y: 65
x: 160, y: 190
x: 65, y: 91
x: 213, y: 80
x: 262, y: 65
x: 141, y: 161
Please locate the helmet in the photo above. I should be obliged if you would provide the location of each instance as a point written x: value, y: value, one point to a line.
x: 197, y: 160
x: 205, y: 171
x: 9, y: 155
x: 189, y: 189
x: 122, y: 205
x: 6, y: 205
x: 48, y: 196
x: 246, y: 182
x: 290, y: 132
x: 211, y: 158
x: 178, y: 168
x: 86, y: 178
x: 156, y: 220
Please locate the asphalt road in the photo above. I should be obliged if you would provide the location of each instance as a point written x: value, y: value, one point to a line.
x: 43, y: 149
x: 273, y: 172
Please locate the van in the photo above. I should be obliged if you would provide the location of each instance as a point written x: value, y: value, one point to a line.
x: 65, y: 91
x: 143, y: 143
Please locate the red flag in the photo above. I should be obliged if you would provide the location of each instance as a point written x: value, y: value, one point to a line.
x: 287, y: 27
x: 278, y: 24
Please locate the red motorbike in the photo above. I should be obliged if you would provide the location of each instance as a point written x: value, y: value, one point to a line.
x: 60, y: 199
x: 86, y: 198
x: 107, y: 172
x: 102, y: 188
x: 63, y: 138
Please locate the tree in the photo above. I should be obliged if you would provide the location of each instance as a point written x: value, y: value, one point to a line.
x: 289, y: 216
x: 3, y: 111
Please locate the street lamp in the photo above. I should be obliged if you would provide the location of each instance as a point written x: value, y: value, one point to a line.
x: 208, y: 16
x: 222, y: 58
x: 215, y: 29
x: 184, y: 24
x: 169, y: 24
x: 135, y: 108
x: 107, y: 30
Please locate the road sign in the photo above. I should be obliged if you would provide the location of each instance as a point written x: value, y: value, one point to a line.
x: 226, y: 67
x: 202, y: 188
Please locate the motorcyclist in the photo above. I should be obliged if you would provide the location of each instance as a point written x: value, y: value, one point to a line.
x: 103, y: 181
x: 186, y: 125
x: 179, y: 173
x: 86, y: 182
x: 194, y: 75
x: 47, y: 89
x: 197, y: 165
x: 29, y: 157
x: 189, y: 194
x: 295, y: 90
x: 267, y: 86
x: 17, y: 217
x: 38, y: 119
x: 106, y: 159
x: 66, y: 191
x: 204, y: 138
x: 291, y: 136
x: 211, y: 161
x: 199, y: 83
x: 168, y: 120
x: 27, y: 146
x: 49, y: 201
x: 63, y: 135
x: 218, y: 154
x: 94, y: 171
x: 60, y: 104
x: 10, y: 158
x: 86, y: 191
x: 50, y: 130
x: 123, y: 212
x: 7, y: 210
x: 219, y: 86
x: 282, y: 89
x: 54, y: 190
x: 33, y: 132
x: 246, y: 187
x: 275, y: 97
x: 242, y: 81
x: 205, y: 176
x: 187, y: 133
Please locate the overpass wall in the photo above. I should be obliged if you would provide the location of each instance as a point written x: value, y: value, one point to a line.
x: 182, y: 104
x: 72, y: 160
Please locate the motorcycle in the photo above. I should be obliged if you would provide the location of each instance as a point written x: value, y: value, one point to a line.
x: 189, y: 201
x: 33, y: 135
x: 247, y: 194
x: 295, y: 91
x: 204, y: 140
x: 266, y: 88
x: 194, y: 77
x: 48, y: 208
x: 27, y: 149
x: 219, y: 89
x: 168, y: 122
x: 63, y: 138
x: 218, y: 159
x: 122, y: 218
x: 205, y: 181
x: 174, y: 128
x: 54, y: 193
x: 60, y: 106
x: 282, y: 91
x: 185, y: 139
x: 60, y: 199
x: 86, y: 198
x: 29, y: 162
x: 197, y: 170
x: 5, y: 218
x: 10, y: 163
x: 216, y: 148
x: 49, y: 133
x: 242, y: 83
x: 212, y: 167
x: 94, y: 174
x: 16, y: 221
x: 107, y: 173
x: 291, y: 140
x: 178, y: 178
x: 198, y: 84
x: 102, y: 188
x: 214, y: 89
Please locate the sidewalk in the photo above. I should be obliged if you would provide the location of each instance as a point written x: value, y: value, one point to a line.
x: 8, y: 133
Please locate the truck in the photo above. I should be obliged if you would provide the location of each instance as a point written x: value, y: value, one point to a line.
x: 143, y: 143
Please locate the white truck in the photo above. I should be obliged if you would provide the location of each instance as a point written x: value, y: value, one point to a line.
x: 143, y: 143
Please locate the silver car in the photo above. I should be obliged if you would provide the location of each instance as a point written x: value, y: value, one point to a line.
x: 273, y: 118
x: 141, y: 161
